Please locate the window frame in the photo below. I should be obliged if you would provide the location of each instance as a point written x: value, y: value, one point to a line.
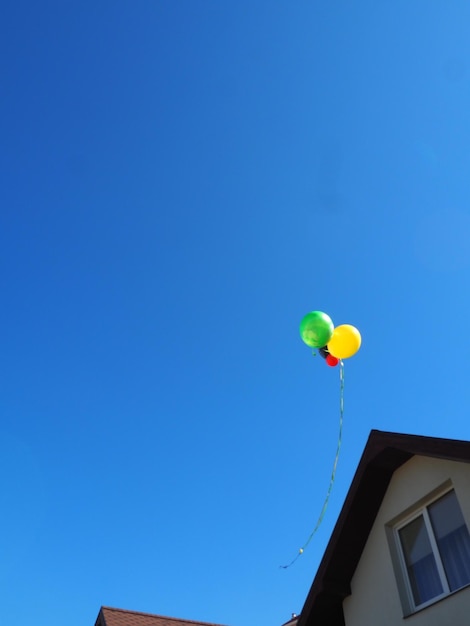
x: 420, y: 509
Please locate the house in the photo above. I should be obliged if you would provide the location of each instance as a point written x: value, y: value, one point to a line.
x: 120, y: 617
x: 400, y: 550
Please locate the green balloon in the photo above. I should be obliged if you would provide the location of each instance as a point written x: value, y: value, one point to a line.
x: 316, y: 329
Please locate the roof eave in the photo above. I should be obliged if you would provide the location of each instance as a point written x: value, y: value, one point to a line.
x: 384, y: 453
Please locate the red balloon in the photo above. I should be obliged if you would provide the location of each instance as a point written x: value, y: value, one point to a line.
x: 331, y: 360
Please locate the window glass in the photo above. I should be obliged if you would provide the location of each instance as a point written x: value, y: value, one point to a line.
x: 420, y: 562
x: 452, y: 538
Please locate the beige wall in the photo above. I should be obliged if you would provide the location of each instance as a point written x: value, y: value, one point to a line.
x: 375, y: 599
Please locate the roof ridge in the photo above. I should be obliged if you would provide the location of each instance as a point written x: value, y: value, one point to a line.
x: 166, y: 617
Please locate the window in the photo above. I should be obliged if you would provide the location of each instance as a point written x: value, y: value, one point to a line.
x: 434, y: 550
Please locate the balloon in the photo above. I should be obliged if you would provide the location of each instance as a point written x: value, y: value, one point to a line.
x: 323, y: 352
x: 316, y: 329
x: 345, y: 341
x: 331, y: 360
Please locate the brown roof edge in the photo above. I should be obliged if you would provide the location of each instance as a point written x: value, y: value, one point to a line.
x: 293, y: 620
x: 102, y: 621
x: 384, y: 452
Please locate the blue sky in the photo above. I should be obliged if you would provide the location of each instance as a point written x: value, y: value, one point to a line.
x: 182, y: 180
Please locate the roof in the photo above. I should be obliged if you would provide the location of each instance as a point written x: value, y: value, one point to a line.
x: 383, y: 454
x: 120, y: 617
x: 293, y: 620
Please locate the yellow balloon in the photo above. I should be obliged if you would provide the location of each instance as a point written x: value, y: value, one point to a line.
x: 345, y: 341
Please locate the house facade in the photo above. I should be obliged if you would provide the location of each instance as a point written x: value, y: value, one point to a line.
x: 400, y: 551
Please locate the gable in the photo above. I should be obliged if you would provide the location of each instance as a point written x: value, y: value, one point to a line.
x: 375, y: 594
x: 383, y: 455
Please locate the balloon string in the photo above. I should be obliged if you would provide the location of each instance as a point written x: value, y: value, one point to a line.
x: 333, y: 472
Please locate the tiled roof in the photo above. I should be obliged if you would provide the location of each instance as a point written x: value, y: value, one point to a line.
x: 120, y: 617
